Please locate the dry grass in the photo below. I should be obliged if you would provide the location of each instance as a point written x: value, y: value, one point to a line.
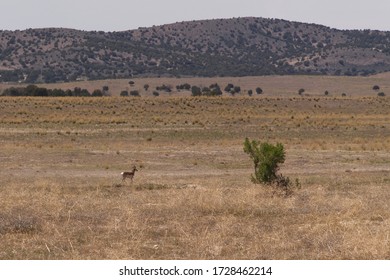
x: 62, y: 196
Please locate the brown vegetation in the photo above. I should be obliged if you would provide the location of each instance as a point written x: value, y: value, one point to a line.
x: 62, y: 196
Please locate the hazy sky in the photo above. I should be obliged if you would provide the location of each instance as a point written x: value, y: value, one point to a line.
x: 119, y: 15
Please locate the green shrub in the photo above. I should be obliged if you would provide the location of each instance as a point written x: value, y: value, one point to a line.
x: 266, y: 159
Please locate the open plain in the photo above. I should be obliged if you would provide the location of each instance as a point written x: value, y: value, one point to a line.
x: 192, y: 198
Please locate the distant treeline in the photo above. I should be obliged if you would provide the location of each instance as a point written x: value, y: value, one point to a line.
x: 33, y: 90
x: 212, y: 90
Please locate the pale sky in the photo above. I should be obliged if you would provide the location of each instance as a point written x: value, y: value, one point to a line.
x: 120, y: 15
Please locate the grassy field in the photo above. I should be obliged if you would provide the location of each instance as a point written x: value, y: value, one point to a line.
x: 62, y: 195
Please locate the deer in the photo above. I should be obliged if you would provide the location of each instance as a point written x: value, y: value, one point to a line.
x: 129, y: 175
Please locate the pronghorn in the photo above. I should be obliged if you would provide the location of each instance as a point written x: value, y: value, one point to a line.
x: 129, y: 174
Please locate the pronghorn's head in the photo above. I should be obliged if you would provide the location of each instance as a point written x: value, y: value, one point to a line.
x: 135, y: 168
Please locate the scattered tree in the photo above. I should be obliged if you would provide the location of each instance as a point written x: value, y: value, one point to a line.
x: 134, y: 93
x: 376, y: 87
x: 215, y: 90
x: 205, y: 91
x: 124, y: 93
x: 196, y: 91
x: 237, y: 89
x: 229, y: 87
x: 185, y: 86
x: 259, y: 90
x: 166, y: 88
x: 97, y: 92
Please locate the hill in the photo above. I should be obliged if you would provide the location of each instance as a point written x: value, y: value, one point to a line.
x: 221, y: 47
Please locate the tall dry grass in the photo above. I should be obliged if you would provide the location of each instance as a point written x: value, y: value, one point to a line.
x: 54, y: 221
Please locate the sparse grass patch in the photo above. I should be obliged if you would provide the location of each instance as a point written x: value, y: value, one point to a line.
x: 18, y: 221
x: 151, y: 186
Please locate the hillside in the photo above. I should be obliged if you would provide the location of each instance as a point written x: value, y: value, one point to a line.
x: 222, y: 47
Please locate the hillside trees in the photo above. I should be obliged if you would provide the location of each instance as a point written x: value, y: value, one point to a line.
x: 253, y: 47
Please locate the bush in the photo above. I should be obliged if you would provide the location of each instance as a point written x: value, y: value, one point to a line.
x: 166, y: 88
x: 134, y: 93
x: 229, y: 87
x: 237, y: 89
x: 215, y: 90
x: 97, y: 92
x: 196, y: 91
x: 124, y: 93
x: 185, y: 86
x: 267, y: 158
